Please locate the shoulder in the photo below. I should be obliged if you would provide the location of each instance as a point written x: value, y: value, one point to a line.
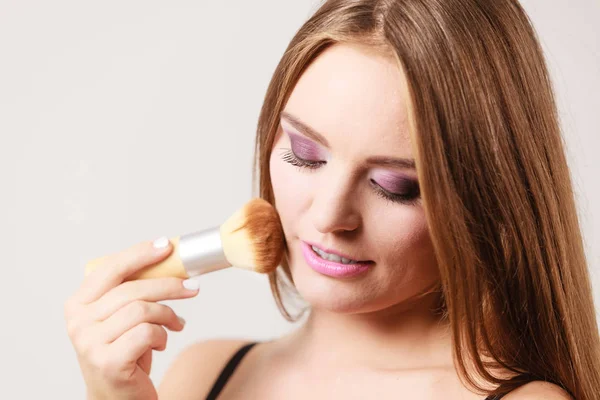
x: 538, y: 390
x: 196, y: 368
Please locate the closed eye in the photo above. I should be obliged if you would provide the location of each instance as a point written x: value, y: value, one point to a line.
x: 410, y: 198
x: 291, y: 158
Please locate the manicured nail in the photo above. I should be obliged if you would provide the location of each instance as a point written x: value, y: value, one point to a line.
x: 181, y: 320
x: 161, y: 242
x: 191, y: 284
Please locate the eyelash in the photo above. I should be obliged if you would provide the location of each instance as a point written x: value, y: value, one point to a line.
x: 291, y: 158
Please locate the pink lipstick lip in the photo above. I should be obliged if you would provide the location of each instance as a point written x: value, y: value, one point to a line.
x: 337, y: 253
x: 331, y: 268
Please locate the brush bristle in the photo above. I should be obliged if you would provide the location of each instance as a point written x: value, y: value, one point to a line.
x: 253, y: 237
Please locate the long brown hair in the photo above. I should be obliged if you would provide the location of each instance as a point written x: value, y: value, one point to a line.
x: 494, y: 180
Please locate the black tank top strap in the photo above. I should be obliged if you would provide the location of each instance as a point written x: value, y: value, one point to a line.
x: 228, y: 370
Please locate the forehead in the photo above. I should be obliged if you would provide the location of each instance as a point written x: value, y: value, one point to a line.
x: 353, y: 92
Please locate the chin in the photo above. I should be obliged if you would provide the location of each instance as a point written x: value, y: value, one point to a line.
x: 342, y: 296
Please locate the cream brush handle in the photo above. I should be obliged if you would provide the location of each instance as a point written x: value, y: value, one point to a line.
x: 193, y: 254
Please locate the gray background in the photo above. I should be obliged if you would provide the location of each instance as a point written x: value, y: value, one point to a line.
x: 122, y: 121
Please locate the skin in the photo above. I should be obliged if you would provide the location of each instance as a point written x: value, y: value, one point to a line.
x: 373, y: 335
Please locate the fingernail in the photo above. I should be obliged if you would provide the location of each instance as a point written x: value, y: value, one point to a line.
x: 191, y: 284
x: 161, y: 242
x: 181, y: 320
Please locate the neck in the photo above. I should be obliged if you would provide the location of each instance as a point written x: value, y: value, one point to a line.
x: 410, y: 335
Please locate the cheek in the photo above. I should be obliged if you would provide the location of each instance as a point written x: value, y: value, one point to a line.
x: 406, y: 245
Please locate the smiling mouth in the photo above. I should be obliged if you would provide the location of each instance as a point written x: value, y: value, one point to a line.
x: 334, y: 265
x: 335, y: 258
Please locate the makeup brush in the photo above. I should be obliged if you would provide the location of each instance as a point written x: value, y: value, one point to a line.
x: 251, y: 238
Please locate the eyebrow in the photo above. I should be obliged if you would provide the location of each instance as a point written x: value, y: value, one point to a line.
x: 407, y: 163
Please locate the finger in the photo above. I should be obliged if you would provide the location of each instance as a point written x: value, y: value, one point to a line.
x: 135, y: 314
x: 154, y: 289
x: 118, y: 266
x: 134, y: 343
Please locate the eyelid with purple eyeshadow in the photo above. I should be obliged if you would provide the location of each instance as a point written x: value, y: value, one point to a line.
x: 305, y: 148
x: 395, y: 182
x: 391, y: 182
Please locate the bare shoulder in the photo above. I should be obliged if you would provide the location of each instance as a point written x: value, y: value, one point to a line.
x: 195, y: 369
x: 539, y: 390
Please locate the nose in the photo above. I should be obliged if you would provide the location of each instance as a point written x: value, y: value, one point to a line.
x: 334, y: 206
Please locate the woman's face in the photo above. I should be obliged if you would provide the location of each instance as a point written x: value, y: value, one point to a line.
x: 342, y: 180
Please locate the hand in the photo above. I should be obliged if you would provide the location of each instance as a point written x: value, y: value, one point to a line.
x: 115, y: 324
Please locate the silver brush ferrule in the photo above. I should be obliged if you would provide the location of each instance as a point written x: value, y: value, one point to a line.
x: 202, y: 252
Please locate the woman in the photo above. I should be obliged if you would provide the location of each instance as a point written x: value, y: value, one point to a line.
x: 420, y: 138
